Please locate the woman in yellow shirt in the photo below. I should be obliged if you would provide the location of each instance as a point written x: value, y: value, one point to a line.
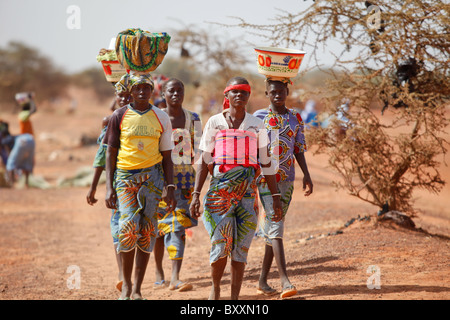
x: 138, y: 160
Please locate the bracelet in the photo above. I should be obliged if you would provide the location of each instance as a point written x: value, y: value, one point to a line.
x: 276, y: 194
x: 171, y: 185
x: 194, y: 192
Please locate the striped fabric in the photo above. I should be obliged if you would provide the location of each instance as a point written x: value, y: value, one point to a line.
x: 236, y: 148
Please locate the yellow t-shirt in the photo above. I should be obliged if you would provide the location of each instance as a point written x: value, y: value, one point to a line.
x: 139, y: 136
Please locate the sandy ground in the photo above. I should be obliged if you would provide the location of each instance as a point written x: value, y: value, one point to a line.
x: 48, y: 237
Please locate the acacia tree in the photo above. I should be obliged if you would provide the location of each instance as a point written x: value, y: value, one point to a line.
x: 209, y: 51
x: 394, y: 59
x: 23, y: 68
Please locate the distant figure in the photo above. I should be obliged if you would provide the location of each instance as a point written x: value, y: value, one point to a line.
x: 20, y: 157
x: 160, y: 103
x: 342, y: 117
x: 309, y: 114
x: 26, y: 102
x: 4, y: 132
x: 123, y: 97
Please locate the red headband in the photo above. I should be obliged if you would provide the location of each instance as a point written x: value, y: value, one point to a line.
x: 245, y: 87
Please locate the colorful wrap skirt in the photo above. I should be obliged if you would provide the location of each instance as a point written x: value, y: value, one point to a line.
x: 230, y: 213
x: 22, y: 154
x: 114, y: 224
x: 138, y: 195
x: 172, y: 225
x: 269, y: 229
x: 175, y: 242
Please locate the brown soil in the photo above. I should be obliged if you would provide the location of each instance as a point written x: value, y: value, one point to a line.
x: 45, y: 232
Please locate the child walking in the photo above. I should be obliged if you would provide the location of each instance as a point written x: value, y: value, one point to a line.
x: 138, y: 165
x: 287, y: 142
x: 232, y: 143
x: 172, y: 225
x: 123, y: 97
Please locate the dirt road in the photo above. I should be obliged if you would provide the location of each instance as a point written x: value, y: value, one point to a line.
x: 49, y: 237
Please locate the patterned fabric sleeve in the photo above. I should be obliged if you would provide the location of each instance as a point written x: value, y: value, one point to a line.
x: 112, y: 136
x: 300, y: 142
x: 261, y: 113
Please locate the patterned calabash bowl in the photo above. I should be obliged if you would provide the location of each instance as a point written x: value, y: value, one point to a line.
x: 278, y: 62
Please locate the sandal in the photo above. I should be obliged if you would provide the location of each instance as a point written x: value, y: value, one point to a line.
x: 119, y: 285
x: 160, y: 285
x: 181, y: 286
x: 288, y: 292
x: 267, y: 291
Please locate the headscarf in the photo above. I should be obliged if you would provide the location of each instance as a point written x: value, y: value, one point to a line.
x: 281, y: 79
x: 245, y: 87
x: 123, y: 85
x: 136, y: 79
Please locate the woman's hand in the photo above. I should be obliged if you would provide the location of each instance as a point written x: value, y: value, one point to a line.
x: 170, y: 200
x: 195, y: 206
x: 111, y: 198
x: 307, y: 185
x: 91, y: 196
x: 277, y: 209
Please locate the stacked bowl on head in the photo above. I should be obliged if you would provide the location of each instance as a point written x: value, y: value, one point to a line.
x: 135, y: 51
x: 112, y: 68
x: 278, y: 63
x: 141, y: 51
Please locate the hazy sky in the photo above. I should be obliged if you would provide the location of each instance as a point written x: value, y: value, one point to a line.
x: 42, y: 24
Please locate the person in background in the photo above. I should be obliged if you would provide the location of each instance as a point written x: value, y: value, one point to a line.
x: 26, y: 102
x: 160, y: 103
x: 4, y: 132
x: 123, y: 98
x: 20, y: 156
x: 309, y: 114
x: 342, y: 114
x: 172, y: 225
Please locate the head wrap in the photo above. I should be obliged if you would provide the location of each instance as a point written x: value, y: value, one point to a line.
x: 281, y: 79
x: 245, y: 87
x: 123, y: 85
x: 136, y: 79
